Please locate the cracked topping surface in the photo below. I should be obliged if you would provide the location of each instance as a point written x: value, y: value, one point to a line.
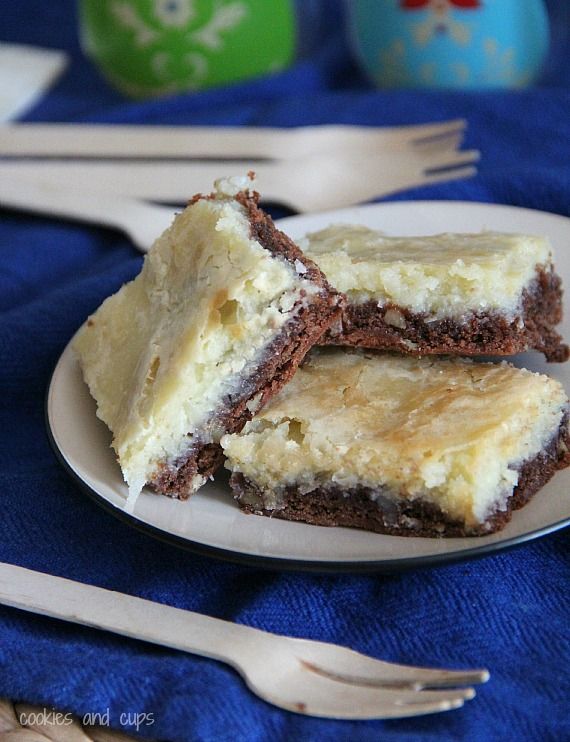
x: 450, y: 431
x: 443, y: 275
x: 163, y: 353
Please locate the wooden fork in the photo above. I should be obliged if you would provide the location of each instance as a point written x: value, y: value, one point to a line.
x: 101, y: 193
x: 218, y: 142
x: 308, y: 677
x: 326, y: 181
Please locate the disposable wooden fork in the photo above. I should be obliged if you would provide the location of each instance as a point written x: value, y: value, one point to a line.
x: 220, y: 142
x: 326, y: 181
x: 307, y: 677
x: 101, y: 193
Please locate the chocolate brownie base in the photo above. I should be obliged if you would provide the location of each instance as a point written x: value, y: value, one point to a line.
x: 281, y: 359
x: 371, y: 510
x: 392, y: 327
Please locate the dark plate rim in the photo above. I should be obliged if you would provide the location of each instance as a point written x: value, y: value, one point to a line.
x: 387, y: 566
x: 384, y: 566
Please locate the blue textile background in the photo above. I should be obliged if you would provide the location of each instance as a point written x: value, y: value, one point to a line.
x: 508, y: 612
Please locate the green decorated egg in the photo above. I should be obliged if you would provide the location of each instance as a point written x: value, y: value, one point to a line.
x: 158, y: 47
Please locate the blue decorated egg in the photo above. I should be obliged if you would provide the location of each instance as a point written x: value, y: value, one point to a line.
x: 450, y: 43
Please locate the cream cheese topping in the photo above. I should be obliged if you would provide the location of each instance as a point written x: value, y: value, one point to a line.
x: 452, y: 432
x: 161, y: 354
x: 444, y: 275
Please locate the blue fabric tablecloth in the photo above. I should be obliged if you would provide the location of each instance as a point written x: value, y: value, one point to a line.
x: 508, y: 612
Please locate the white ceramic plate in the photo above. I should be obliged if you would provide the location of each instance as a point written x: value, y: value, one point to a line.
x: 211, y: 522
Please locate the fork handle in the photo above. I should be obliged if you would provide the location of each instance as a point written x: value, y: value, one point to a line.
x: 161, y: 181
x: 32, y: 193
x: 122, y: 614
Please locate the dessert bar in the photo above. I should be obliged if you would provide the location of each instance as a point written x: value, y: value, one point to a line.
x: 401, y: 445
x: 219, y: 318
x: 468, y: 294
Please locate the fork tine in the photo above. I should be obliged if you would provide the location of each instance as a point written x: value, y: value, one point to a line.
x: 443, y: 176
x: 445, y: 143
x: 432, y: 131
x: 313, y: 694
x: 436, y: 160
x: 353, y: 667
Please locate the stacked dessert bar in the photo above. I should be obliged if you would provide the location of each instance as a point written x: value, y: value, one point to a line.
x: 412, y: 444
x: 222, y: 313
x: 469, y: 294
x: 199, y: 358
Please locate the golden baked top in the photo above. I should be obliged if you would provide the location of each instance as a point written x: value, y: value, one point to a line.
x: 162, y: 353
x: 449, y: 431
x: 441, y: 275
